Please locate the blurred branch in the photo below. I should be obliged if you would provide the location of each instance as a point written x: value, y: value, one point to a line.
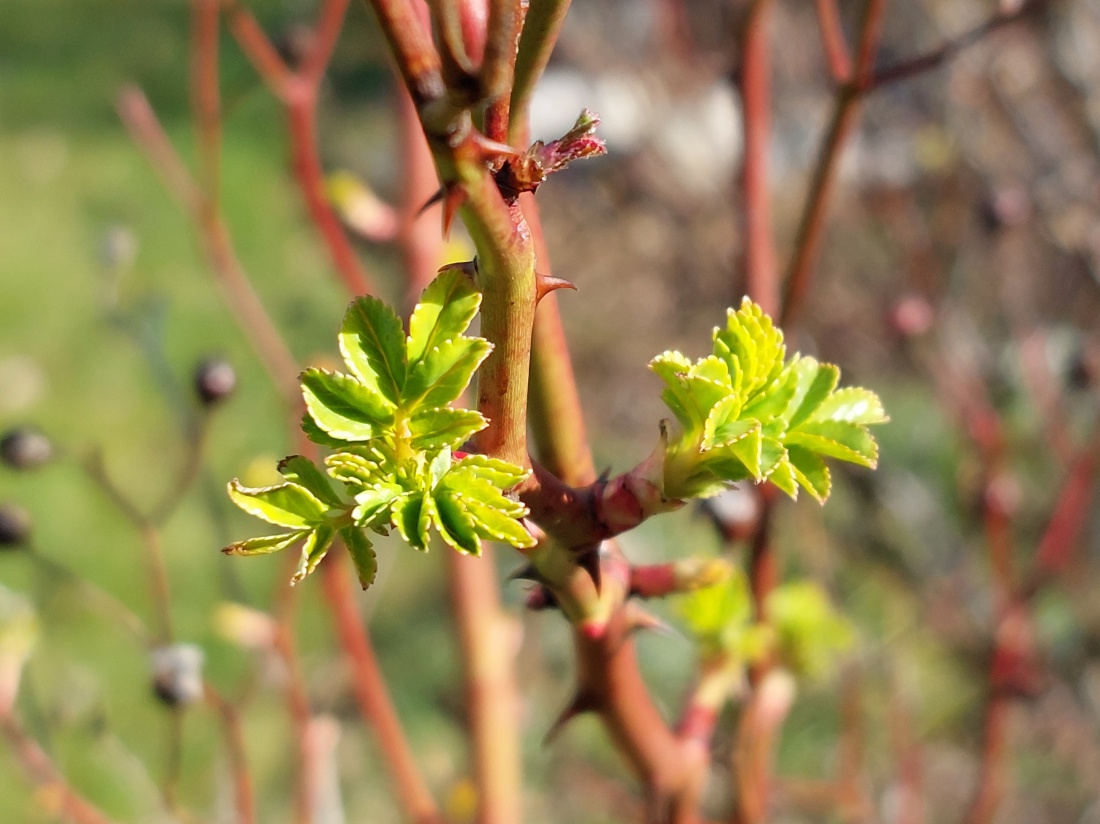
x: 373, y: 696
x: 65, y: 801
x: 845, y: 115
x: 761, y: 282
x: 937, y: 57
x: 832, y: 39
x: 861, y: 79
x: 146, y: 131
x: 298, y: 90
x: 541, y: 28
x: 238, y: 759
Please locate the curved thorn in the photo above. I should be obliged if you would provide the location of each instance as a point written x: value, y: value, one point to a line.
x: 578, y: 706
x: 545, y: 284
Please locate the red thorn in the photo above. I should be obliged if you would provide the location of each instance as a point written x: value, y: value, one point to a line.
x: 589, y: 561
x: 639, y: 619
x: 578, y: 706
x: 491, y: 151
x: 431, y: 201
x: 453, y: 199
x: 545, y: 284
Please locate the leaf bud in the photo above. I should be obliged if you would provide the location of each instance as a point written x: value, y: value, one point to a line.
x: 15, y: 525
x: 25, y: 448
x: 214, y: 380
x: 177, y: 674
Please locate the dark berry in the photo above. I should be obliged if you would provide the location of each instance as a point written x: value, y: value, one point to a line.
x: 25, y: 448
x: 15, y: 525
x: 215, y: 379
x: 177, y: 674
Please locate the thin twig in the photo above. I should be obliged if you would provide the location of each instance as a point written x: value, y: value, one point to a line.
x: 68, y: 803
x: 148, y: 134
x: 832, y: 39
x: 238, y: 757
x: 760, y: 264
x: 373, y: 697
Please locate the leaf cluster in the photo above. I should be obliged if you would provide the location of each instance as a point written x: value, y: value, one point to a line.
x: 746, y: 412
x: 804, y: 632
x: 393, y: 434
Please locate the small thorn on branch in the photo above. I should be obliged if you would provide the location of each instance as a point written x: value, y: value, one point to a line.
x: 589, y: 561
x: 580, y: 704
x: 545, y: 284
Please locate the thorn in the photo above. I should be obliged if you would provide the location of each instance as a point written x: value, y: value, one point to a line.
x: 578, y: 706
x: 453, y: 199
x: 589, y: 561
x: 604, y: 476
x: 491, y: 151
x: 527, y: 573
x: 638, y: 619
x: 434, y: 199
x: 545, y: 284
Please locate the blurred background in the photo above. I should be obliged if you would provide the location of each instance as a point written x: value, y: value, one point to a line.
x: 959, y: 278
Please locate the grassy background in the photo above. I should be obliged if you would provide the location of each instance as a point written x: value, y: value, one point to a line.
x: 100, y: 357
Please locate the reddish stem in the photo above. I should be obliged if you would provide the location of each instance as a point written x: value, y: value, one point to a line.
x: 760, y: 263
x: 832, y: 39
x: 305, y: 775
x: 373, y: 696
x: 301, y: 114
x: 66, y: 801
x: 238, y: 759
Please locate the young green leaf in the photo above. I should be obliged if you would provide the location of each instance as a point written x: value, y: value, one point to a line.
x: 286, y: 504
x: 264, y: 545
x: 445, y: 427
x: 362, y: 554
x: 446, y: 308
x: 343, y: 407
x: 444, y: 371
x: 302, y: 471
x: 314, y: 550
x: 372, y: 341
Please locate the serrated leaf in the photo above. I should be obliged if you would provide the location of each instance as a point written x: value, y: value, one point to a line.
x: 852, y: 404
x: 774, y: 399
x: 440, y: 465
x: 446, y: 308
x: 836, y: 439
x: 263, y: 545
x: 286, y: 504
x: 815, y: 382
x: 302, y: 471
x: 314, y: 550
x: 772, y: 455
x: 455, y: 524
x: 783, y: 477
x: 372, y: 341
x: 373, y: 502
x: 444, y: 427
x: 500, y: 474
x: 343, y: 407
x: 472, y: 487
x: 714, y: 370
x: 319, y: 436
x: 405, y: 515
x: 362, y: 554
x: 722, y: 426
x: 748, y: 451
x: 358, y: 469
x: 758, y: 346
x: 444, y: 371
x: 493, y: 524
x: 811, y: 472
